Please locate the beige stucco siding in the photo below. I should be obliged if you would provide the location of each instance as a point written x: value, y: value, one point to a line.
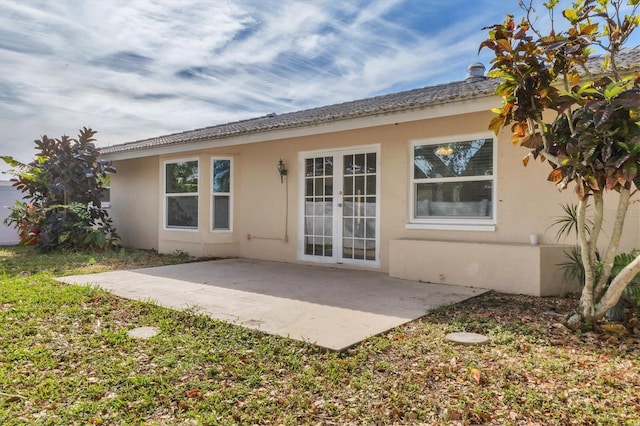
x: 134, y: 202
x: 266, y: 212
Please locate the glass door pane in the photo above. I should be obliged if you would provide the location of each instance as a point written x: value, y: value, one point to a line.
x: 318, y: 208
x: 359, y: 206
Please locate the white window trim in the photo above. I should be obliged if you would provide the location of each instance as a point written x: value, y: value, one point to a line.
x: 452, y: 224
x: 213, y: 194
x: 182, y: 194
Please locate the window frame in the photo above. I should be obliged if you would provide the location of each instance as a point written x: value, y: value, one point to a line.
x: 213, y: 194
x: 166, y: 195
x: 452, y: 223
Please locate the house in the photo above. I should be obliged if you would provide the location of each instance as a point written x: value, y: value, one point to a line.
x: 8, y: 196
x: 411, y: 184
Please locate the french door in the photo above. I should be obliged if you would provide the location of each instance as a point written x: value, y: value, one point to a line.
x: 340, y: 205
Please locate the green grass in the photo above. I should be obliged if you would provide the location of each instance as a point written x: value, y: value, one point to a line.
x: 66, y: 359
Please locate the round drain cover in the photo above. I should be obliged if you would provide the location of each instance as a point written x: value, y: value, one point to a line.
x: 143, y: 332
x: 467, y: 338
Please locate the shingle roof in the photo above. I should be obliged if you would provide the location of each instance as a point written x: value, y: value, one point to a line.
x: 628, y: 59
x: 402, y: 101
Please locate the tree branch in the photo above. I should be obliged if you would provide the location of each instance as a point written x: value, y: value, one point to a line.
x: 614, y: 242
x: 528, y: 9
x: 619, y: 283
x: 598, y: 204
x: 568, y: 111
x: 586, y: 299
x: 13, y: 395
x: 538, y: 127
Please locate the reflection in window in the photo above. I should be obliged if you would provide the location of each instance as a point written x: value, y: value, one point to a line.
x: 471, y: 158
x: 318, y: 196
x: 453, y: 180
x: 105, y: 197
x: 181, y: 177
x: 221, y: 194
x: 359, y: 207
x: 181, y: 194
x: 105, y: 194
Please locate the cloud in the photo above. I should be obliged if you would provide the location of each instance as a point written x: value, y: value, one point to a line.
x: 125, y: 61
x: 138, y: 69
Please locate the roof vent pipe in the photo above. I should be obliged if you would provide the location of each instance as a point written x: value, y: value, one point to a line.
x: 475, y: 72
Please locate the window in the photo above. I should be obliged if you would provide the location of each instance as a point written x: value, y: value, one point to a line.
x: 181, y: 194
x: 105, y: 197
x: 453, y: 182
x: 221, y: 206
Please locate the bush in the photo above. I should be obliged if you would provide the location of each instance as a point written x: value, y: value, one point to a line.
x: 63, y: 186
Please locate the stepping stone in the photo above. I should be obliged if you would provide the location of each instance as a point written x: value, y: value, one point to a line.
x: 143, y: 332
x: 467, y: 338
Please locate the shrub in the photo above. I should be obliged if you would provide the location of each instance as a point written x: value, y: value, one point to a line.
x: 63, y: 186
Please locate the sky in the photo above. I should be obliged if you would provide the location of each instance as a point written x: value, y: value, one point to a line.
x: 137, y: 69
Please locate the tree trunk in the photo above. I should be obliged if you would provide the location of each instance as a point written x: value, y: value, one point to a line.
x: 614, y: 242
x: 576, y: 321
x: 598, y: 296
x: 615, y: 289
x: 598, y: 218
x: 586, y: 306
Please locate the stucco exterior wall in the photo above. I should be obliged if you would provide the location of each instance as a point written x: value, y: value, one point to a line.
x: 519, y: 268
x: 266, y: 212
x: 135, y: 202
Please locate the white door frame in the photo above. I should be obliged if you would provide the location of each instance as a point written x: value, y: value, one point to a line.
x: 338, y: 182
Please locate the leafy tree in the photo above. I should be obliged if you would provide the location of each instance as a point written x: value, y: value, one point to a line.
x: 593, y: 140
x: 63, y: 186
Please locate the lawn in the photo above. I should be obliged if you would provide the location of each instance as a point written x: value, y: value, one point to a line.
x: 66, y: 359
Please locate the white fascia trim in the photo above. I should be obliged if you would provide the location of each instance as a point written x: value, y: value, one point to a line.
x: 484, y: 103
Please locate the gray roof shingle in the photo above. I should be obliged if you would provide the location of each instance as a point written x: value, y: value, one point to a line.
x: 402, y: 101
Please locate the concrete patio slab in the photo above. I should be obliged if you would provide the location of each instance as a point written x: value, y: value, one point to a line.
x: 330, y: 307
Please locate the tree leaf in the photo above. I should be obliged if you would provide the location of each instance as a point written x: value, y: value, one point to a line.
x: 589, y: 29
x: 628, y: 99
x: 476, y: 374
x: 556, y: 175
x: 496, y: 124
x: 618, y: 329
x: 601, y: 117
x: 593, y: 183
x: 534, y: 141
x: 570, y: 14
x: 11, y: 161
x: 504, y: 44
x: 612, y: 90
x: 611, y: 182
x: 193, y: 393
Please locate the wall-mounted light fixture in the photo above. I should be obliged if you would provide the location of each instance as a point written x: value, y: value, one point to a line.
x: 282, y: 169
